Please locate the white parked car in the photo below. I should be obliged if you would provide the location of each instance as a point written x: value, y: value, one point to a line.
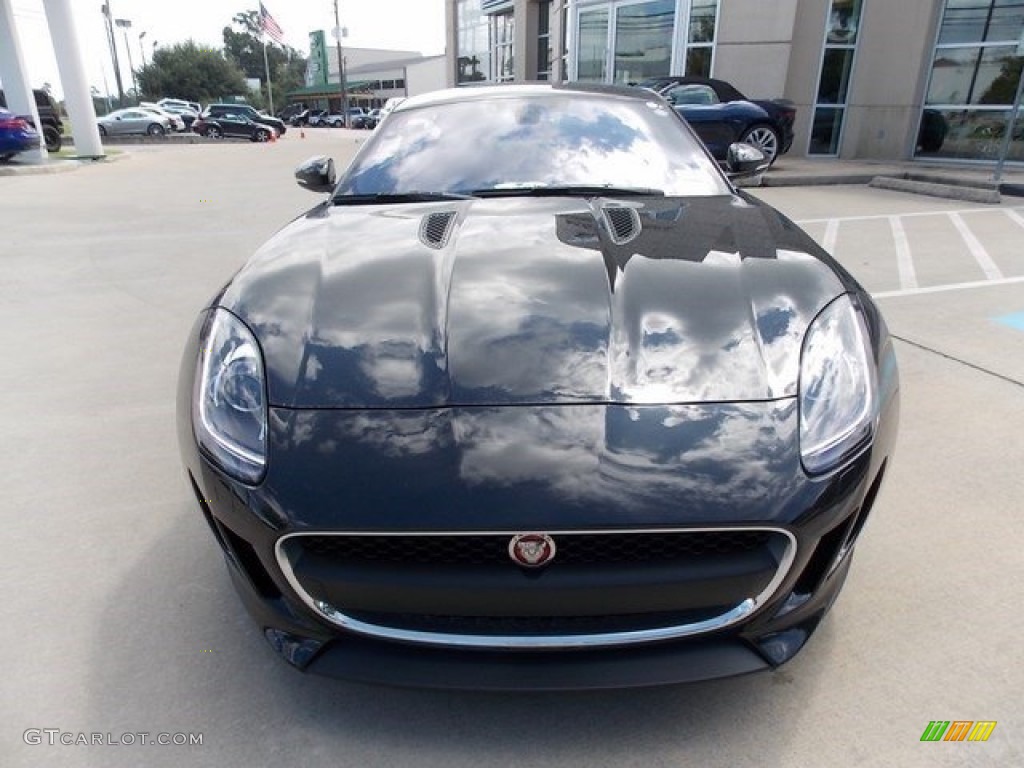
x: 177, y: 123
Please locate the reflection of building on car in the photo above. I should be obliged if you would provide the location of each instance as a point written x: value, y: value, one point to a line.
x: 721, y: 115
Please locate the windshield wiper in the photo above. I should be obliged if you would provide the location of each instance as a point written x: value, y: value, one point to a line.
x: 569, y: 190
x: 398, y: 197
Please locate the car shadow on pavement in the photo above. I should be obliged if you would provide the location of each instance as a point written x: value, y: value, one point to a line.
x: 177, y: 652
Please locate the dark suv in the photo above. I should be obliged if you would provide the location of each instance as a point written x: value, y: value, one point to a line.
x: 219, y: 110
x: 49, y: 115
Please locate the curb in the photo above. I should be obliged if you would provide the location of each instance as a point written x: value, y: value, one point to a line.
x: 58, y: 165
x: 948, y: 189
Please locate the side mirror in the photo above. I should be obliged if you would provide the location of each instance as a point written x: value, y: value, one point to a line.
x: 742, y: 160
x: 317, y: 174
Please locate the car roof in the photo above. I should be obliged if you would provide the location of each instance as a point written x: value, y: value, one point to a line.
x: 491, y: 91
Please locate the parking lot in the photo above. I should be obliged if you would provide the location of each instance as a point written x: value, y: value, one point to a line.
x: 120, y: 619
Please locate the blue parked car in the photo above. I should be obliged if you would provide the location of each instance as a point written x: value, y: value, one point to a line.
x: 16, y: 135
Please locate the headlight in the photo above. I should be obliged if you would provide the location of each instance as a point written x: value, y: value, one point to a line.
x: 838, y: 387
x: 229, y: 413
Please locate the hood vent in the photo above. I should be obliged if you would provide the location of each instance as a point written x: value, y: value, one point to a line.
x: 623, y: 224
x: 436, y: 228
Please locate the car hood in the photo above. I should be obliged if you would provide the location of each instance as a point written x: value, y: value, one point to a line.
x: 534, y: 301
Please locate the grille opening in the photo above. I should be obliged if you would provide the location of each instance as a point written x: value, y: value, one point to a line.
x: 207, y: 514
x: 824, y: 555
x: 623, y: 224
x: 869, y: 502
x: 573, y: 549
x: 436, y: 228
x: 249, y: 562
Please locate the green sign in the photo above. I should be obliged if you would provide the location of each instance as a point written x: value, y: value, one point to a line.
x: 316, y: 69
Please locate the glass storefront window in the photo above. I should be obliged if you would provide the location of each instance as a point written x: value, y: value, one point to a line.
x: 970, y: 134
x: 545, y: 53
x: 643, y: 40
x: 503, y: 33
x: 825, y: 131
x: 974, y: 76
x: 592, y: 48
x: 843, y: 21
x: 981, y: 21
x: 837, y: 59
x: 698, y: 61
x: 835, y: 76
x: 474, y: 60
x: 702, y: 21
x: 626, y: 41
x: 973, y: 83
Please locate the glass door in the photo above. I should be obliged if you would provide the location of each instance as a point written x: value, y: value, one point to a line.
x: 643, y: 40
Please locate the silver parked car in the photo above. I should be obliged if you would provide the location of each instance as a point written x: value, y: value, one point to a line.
x: 177, y: 123
x: 133, y: 120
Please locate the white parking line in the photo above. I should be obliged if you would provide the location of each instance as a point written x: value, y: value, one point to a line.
x: 949, y: 287
x: 992, y: 272
x: 828, y: 242
x: 880, y: 216
x: 1015, y: 216
x: 904, y: 260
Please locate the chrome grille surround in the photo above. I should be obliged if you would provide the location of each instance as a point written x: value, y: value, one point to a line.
x: 739, y: 612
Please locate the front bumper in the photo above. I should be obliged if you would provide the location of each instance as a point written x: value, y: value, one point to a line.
x: 418, y: 491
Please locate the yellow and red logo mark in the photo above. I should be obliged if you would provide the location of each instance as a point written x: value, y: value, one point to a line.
x: 958, y: 730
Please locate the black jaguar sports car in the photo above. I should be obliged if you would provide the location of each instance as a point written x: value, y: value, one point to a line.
x: 536, y: 399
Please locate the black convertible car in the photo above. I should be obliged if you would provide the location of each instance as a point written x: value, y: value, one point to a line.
x: 535, y: 398
x: 720, y: 114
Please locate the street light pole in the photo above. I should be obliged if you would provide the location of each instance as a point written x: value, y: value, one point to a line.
x: 112, y: 41
x: 125, y: 25
x: 341, y: 66
x: 142, y: 50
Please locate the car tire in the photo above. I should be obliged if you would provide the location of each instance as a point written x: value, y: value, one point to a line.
x: 764, y: 138
x: 156, y: 130
x: 261, y: 136
x: 214, y: 133
x: 52, y: 138
x: 337, y: 124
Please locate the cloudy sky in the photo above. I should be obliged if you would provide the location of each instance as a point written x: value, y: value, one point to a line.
x: 416, y: 25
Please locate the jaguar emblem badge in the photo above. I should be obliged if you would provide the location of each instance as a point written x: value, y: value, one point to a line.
x: 531, y: 550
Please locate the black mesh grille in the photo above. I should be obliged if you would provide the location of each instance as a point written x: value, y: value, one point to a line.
x: 571, y: 548
x: 436, y: 229
x: 623, y: 223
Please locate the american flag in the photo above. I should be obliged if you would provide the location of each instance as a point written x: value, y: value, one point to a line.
x: 268, y: 25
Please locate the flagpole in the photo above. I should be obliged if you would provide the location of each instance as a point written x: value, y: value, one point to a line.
x: 266, y: 67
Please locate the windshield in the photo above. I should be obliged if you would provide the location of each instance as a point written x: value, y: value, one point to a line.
x: 515, y: 142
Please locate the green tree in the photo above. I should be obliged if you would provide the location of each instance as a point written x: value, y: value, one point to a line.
x: 245, y: 47
x: 190, y: 71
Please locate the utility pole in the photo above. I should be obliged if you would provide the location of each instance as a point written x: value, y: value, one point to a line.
x: 125, y: 25
x: 105, y: 8
x: 341, y: 65
x: 142, y: 50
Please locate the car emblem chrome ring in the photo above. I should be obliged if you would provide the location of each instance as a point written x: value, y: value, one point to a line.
x: 531, y: 550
